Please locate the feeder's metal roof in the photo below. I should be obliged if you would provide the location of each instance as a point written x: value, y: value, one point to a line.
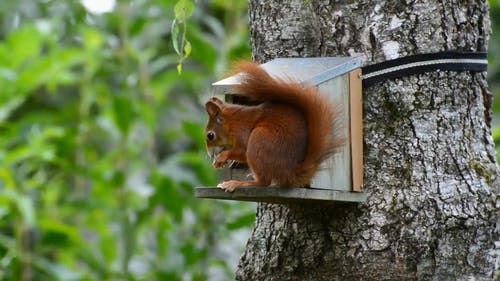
x: 313, y: 71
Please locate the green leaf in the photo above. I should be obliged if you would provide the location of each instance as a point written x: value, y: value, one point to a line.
x: 92, y: 39
x: 58, y: 234
x: 176, y: 41
x: 24, y: 44
x: 183, y: 9
x: 123, y: 113
x: 187, y: 49
x: 196, y: 132
x: 52, y: 70
x: 7, y: 108
x: 166, y: 194
x: 496, y: 136
x: 138, y: 25
x: 24, y: 206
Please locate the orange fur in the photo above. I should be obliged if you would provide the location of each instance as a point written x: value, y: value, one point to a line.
x: 283, y: 139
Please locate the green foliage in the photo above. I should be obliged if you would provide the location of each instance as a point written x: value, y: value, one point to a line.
x: 102, y: 140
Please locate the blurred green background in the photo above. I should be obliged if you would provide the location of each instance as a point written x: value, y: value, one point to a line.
x: 101, y: 130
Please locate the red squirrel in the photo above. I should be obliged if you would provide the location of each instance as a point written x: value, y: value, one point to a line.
x: 283, y: 139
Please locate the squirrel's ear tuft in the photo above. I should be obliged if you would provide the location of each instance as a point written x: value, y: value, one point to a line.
x: 215, y: 100
x: 213, y: 107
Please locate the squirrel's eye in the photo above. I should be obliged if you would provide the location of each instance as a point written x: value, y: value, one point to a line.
x: 210, y: 136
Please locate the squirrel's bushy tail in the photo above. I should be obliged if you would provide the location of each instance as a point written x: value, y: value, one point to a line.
x: 321, y: 115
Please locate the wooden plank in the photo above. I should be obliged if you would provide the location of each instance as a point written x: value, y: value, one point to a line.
x: 356, y: 118
x: 281, y: 195
x: 335, y: 171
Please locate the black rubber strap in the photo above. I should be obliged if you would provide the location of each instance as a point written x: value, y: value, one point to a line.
x: 449, y: 60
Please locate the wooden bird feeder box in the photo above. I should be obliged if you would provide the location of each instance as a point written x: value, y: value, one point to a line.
x: 340, y: 178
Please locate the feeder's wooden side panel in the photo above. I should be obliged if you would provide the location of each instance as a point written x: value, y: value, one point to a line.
x: 335, y: 172
x: 356, y: 123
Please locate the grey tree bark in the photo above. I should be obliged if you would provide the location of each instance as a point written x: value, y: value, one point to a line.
x: 430, y: 168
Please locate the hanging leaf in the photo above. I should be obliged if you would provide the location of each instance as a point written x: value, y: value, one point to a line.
x: 183, y: 9
x: 187, y: 49
x: 176, y: 41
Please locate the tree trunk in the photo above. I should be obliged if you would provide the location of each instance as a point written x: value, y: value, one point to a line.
x: 430, y: 167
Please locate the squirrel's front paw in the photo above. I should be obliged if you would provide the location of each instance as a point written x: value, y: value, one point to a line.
x: 220, y: 160
x: 218, y: 164
x: 228, y: 185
